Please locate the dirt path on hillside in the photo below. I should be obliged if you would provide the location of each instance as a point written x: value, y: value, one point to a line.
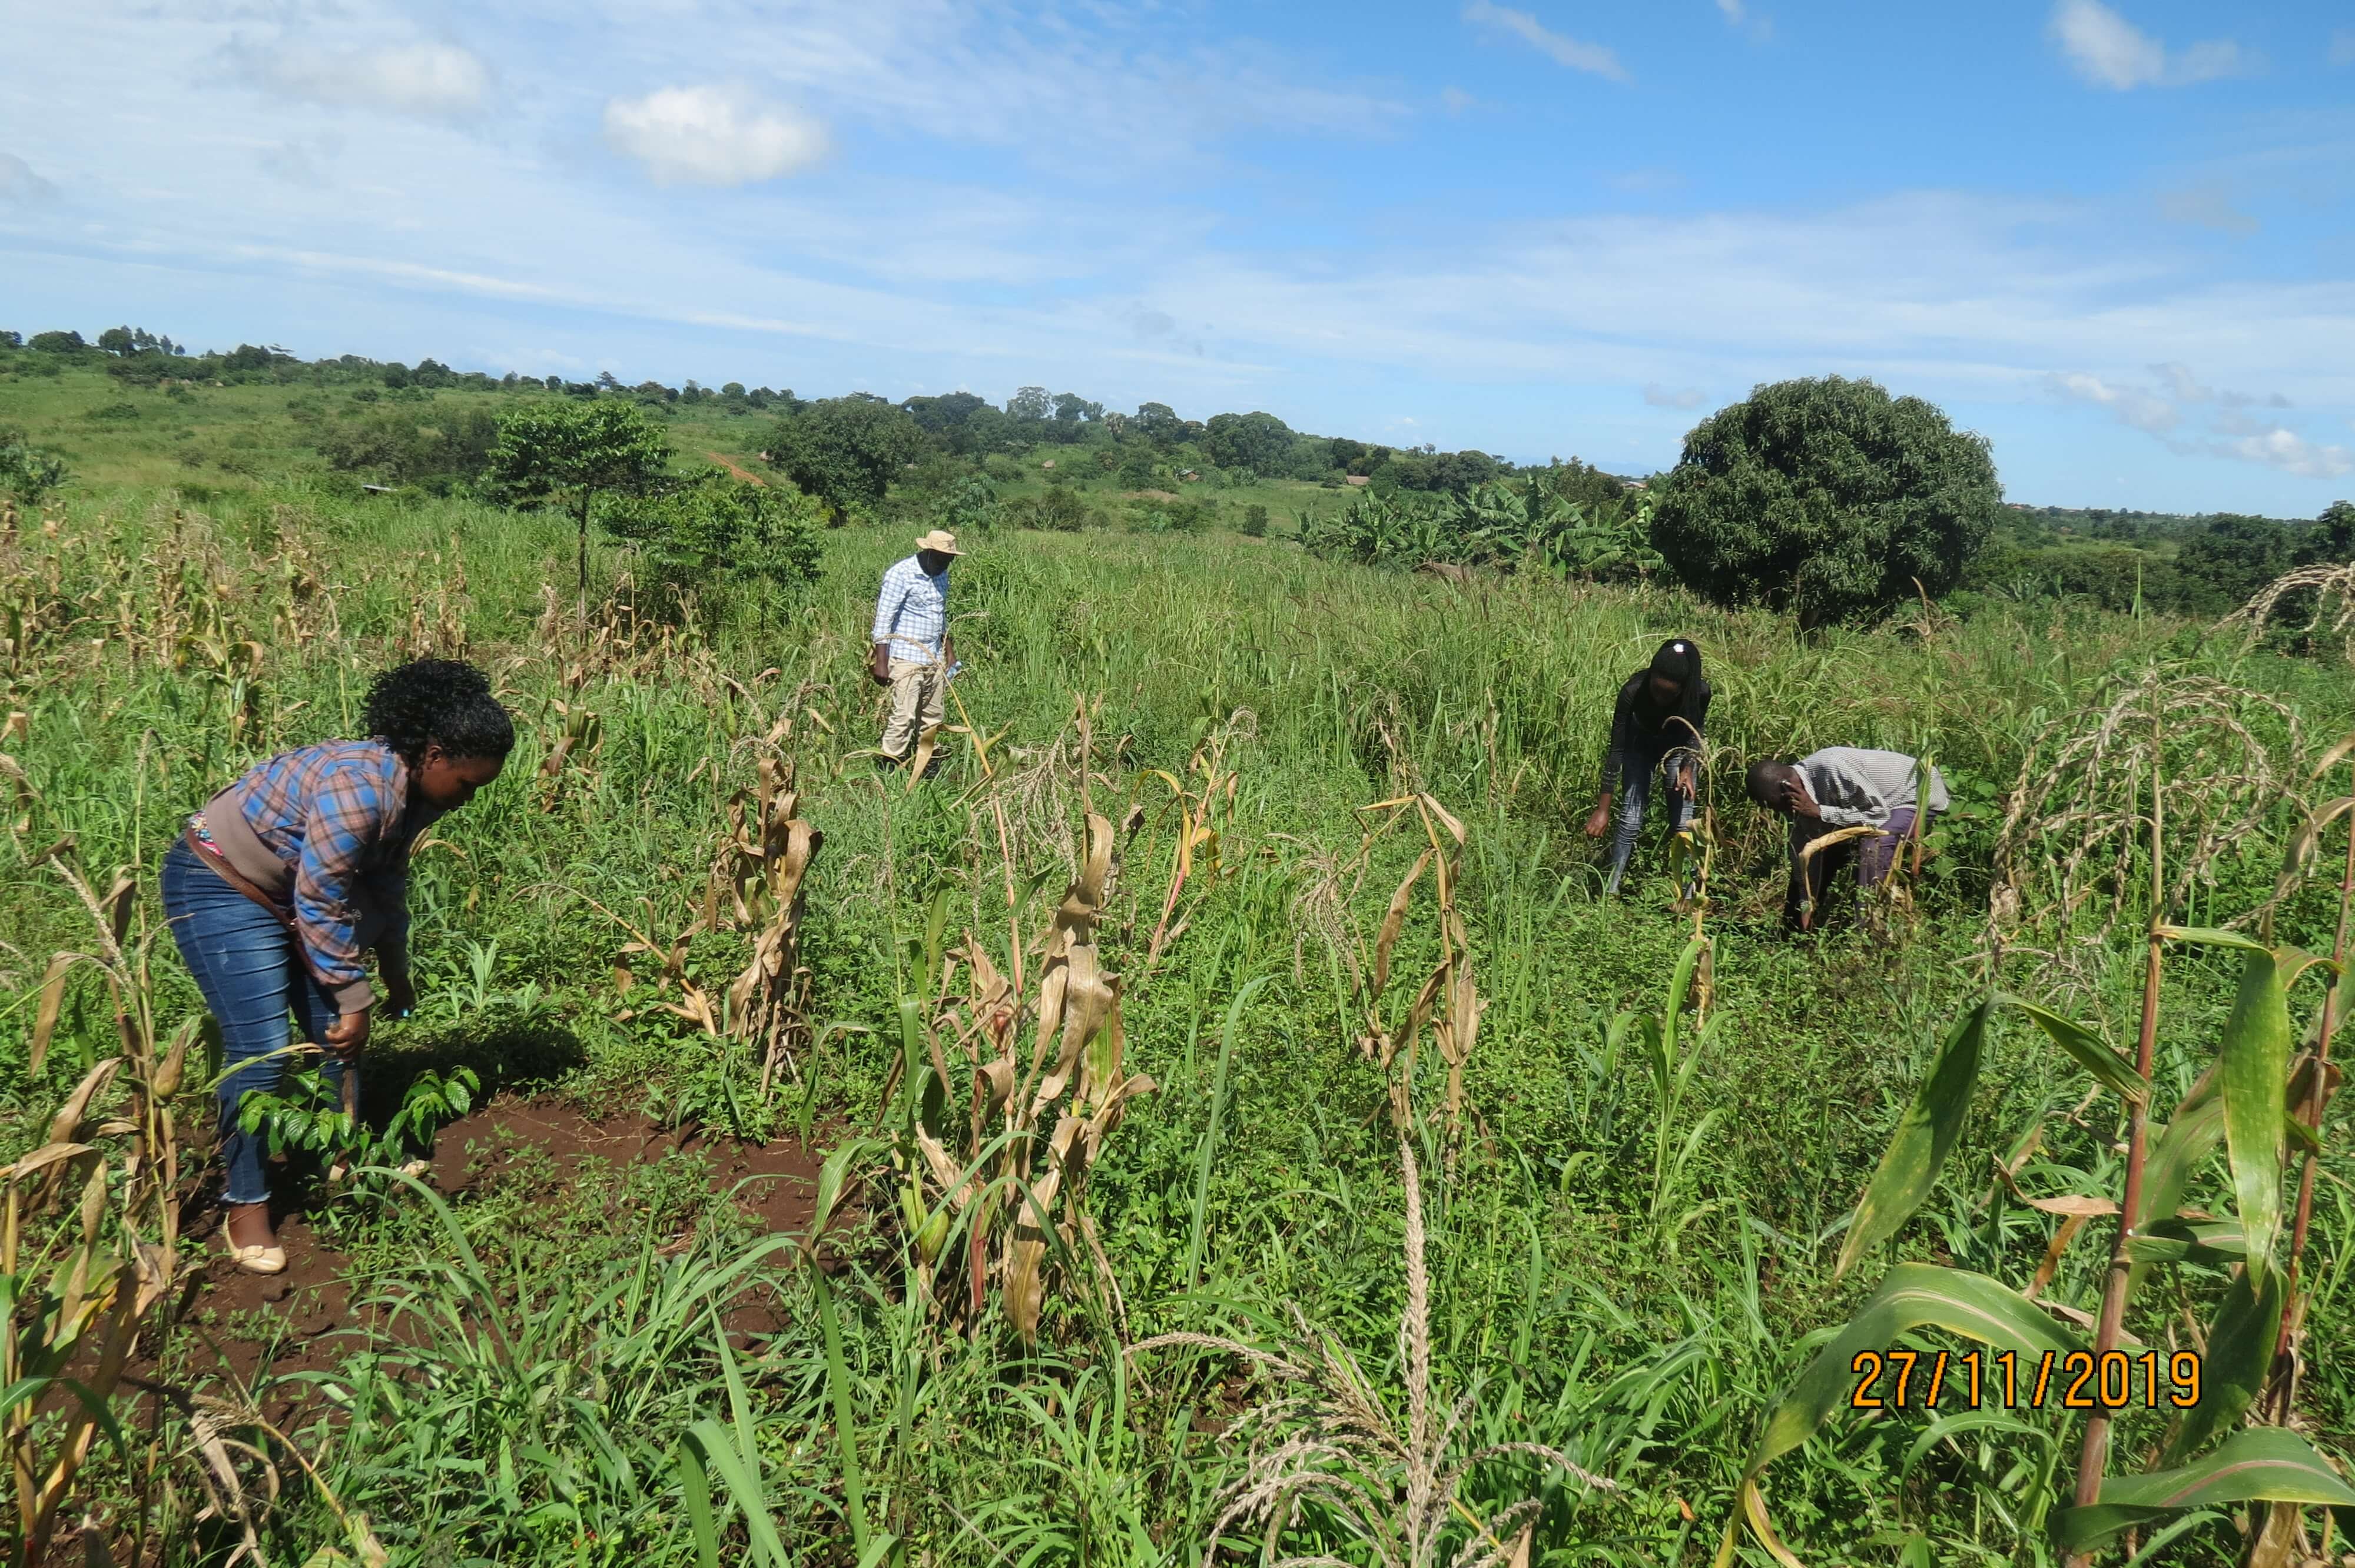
x: 745, y: 474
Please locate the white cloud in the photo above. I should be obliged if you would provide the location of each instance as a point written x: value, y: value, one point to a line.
x: 18, y: 183
x: 1564, y: 51
x: 2160, y: 412
x: 712, y: 136
x: 2110, y: 51
x: 1456, y: 101
x: 1660, y: 397
x: 2342, y: 46
x: 1739, y: 15
x: 2142, y: 409
x: 2290, y: 452
x: 2206, y: 206
x: 435, y: 80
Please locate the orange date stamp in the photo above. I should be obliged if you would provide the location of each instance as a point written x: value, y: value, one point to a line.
x: 2077, y: 1381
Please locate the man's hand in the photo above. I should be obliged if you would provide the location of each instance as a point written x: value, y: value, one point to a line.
x: 1800, y: 804
x: 879, y: 663
x: 1680, y: 783
x: 347, y: 1034
x: 401, y: 994
x: 1600, y: 822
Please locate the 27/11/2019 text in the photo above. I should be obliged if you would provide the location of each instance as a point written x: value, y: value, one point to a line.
x: 2078, y: 1381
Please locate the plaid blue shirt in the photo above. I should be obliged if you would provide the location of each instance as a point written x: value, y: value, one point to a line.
x: 339, y: 816
x: 912, y: 612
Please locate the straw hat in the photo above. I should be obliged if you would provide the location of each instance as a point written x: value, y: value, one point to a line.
x: 940, y: 539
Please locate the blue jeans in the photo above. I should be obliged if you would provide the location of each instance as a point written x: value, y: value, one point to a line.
x: 1640, y: 767
x: 253, y: 979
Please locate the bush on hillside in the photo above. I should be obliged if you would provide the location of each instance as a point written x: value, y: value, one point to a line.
x: 715, y: 535
x: 401, y: 447
x: 1826, y: 497
x: 845, y: 451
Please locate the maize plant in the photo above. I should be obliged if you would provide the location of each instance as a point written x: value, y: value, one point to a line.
x: 764, y: 859
x: 77, y: 1302
x: 1203, y: 810
x: 992, y: 1178
x: 578, y: 740
x: 2252, y: 1100
x: 1449, y: 1000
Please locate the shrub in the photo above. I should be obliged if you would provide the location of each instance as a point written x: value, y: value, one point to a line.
x: 845, y: 451
x: 716, y: 534
x: 26, y: 473
x: 1255, y: 522
x: 113, y: 412
x: 1825, y: 496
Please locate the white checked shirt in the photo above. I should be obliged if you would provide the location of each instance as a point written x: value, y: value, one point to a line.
x: 912, y: 612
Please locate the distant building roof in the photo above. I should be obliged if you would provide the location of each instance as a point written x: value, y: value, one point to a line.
x: 1356, y: 478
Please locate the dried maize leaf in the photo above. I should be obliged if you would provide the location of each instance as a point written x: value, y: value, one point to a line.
x: 176, y: 1060
x: 1446, y: 819
x: 1395, y: 921
x: 1088, y: 999
x: 45, y: 1019
x: 67, y: 1124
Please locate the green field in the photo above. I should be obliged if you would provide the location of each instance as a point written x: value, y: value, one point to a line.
x: 1626, y: 1258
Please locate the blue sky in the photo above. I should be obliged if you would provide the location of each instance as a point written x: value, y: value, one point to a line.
x: 2118, y: 239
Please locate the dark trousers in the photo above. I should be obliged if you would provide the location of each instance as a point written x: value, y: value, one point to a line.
x: 1647, y: 759
x: 1871, y: 856
x: 253, y: 980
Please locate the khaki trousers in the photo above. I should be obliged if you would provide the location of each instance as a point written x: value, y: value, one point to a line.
x: 920, y: 699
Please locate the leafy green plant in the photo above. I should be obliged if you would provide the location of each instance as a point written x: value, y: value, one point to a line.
x: 306, y: 1116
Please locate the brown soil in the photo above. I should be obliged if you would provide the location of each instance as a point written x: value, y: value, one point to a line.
x: 304, y: 1320
x: 745, y: 474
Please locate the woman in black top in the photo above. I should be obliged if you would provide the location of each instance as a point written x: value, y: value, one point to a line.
x: 1654, y: 727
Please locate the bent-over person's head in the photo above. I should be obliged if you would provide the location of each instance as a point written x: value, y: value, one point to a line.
x: 437, y: 715
x: 1674, y: 670
x: 1774, y: 783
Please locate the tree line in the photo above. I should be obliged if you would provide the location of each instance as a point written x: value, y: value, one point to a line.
x: 1826, y: 497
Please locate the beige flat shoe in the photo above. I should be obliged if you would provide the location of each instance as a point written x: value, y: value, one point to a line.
x: 256, y: 1259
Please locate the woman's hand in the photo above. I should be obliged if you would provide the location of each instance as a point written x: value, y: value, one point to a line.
x: 347, y: 1034
x: 1600, y: 822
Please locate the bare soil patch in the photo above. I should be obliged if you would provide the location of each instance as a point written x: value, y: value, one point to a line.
x: 747, y: 475
x: 304, y: 1318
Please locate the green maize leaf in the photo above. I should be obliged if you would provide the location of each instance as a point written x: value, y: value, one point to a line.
x: 1680, y: 985
x: 2252, y: 1066
x: 1913, y: 1296
x: 2258, y: 1464
x: 831, y: 1177
x: 2086, y: 1048
x: 2240, y: 1352
x: 2176, y: 1151
x: 2215, y: 1244
x: 1927, y: 1130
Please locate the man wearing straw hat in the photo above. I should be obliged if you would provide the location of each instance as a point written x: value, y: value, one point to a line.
x: 912, y: 652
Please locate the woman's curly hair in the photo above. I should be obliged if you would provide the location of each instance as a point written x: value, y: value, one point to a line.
x: 438, y: 699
